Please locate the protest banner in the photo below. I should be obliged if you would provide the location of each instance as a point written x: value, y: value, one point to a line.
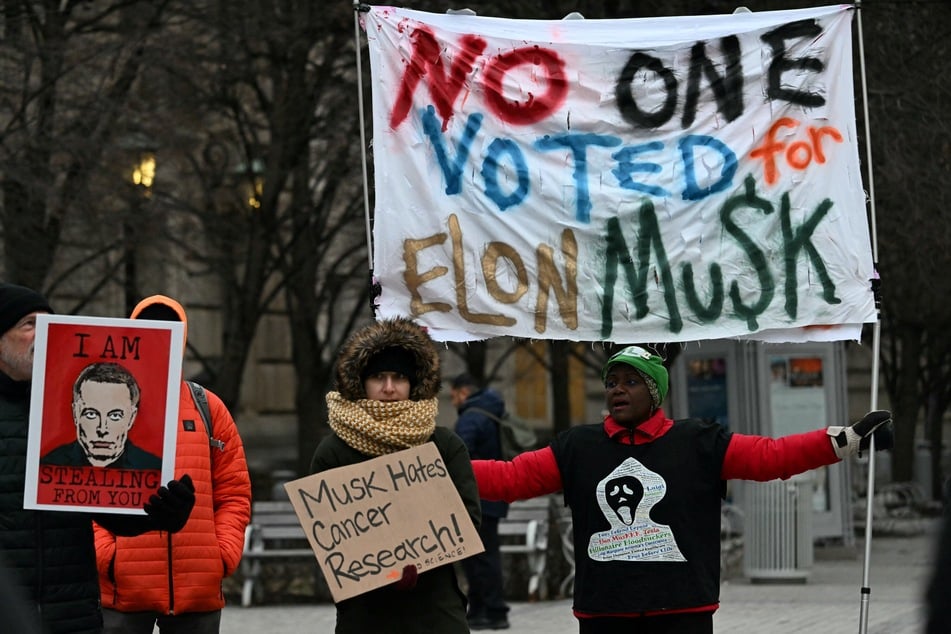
x: 103, y: 412
x: 666, y: 179
x: 367, y: 521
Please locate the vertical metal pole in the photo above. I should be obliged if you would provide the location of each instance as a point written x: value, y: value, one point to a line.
x: 363, y: 137
x: 866, y: 590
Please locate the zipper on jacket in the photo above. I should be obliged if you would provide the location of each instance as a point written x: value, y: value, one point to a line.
x: 171, y: 583
x: 112, y: 573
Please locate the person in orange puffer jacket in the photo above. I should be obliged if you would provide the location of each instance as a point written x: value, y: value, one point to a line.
x: 175, y: 580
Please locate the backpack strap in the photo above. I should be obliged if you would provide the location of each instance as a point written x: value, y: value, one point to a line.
x: 499, y: 425
x: 201, y: 401
x: 486, y: 413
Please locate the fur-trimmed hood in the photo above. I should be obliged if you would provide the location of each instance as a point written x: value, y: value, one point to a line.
x: 366, y: 342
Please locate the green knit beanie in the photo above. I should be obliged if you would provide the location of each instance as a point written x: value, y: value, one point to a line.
x: 645, y: 363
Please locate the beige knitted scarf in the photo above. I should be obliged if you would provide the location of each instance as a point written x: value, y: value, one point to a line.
x: 377, y: 428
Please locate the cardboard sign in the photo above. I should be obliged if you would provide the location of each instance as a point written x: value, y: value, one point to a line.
x: 367, y: 521
x: 103, y: 412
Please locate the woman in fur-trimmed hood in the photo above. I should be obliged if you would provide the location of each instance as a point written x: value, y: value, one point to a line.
x: 387, y: 381
x: 364, y: 344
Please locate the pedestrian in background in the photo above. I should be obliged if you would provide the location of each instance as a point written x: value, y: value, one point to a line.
x: 387, y: 381
x: 476, y: 405
x: 49, y: 555
x: 645, y: 493
x: 174, y: 581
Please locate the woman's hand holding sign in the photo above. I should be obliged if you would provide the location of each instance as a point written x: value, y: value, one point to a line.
x: 408, y: 580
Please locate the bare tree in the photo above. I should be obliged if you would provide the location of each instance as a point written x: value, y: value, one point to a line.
x: 260, y: 128
x: 908, y: 82
x: 278, y: 163
x: 68, y: 72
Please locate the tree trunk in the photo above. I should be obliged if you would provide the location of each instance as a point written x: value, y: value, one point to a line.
x: 238, y: 333
x: 934, y: 423
x: 313, y: 381
x: 560, y: 395
x: 476, y: 352
x: 29, y: 243
x: 906, y: 406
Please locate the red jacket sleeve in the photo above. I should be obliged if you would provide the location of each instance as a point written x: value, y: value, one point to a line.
x: 529, y: 475
x: 762, y: 459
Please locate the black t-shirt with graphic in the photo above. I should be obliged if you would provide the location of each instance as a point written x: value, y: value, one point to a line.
x: 646, y: 517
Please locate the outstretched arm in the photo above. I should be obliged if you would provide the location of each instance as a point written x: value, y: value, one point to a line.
x: 761, y: 458
x: 529, y: 475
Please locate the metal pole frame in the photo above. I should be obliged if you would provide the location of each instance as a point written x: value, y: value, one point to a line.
x: 866, y: 590
x: 359, y: 8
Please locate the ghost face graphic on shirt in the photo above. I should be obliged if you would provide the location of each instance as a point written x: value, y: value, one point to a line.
x: 623, y: 495
x: 626, y: 497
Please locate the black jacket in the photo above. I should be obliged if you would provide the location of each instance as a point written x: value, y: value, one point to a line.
x: 49, y: 555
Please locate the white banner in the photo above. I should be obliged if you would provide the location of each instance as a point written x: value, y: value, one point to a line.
x: 650, y: 180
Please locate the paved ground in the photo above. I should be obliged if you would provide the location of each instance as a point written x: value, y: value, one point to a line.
x: 829, y: 602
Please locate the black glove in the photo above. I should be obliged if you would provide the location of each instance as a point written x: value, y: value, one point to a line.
x: 877, y: 290
x: 408, y: 580
x: 171, y: 505
x: 848, y: 441
x: 884, y: 437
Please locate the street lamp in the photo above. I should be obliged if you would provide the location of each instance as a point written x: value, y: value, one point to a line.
x: 143, y: 173
x: 251, y: 179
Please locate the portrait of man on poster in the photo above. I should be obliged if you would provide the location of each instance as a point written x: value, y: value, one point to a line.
x: 103, y: 413
x: 105, y: 402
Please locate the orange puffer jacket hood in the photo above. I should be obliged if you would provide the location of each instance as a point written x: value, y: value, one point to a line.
x: 162, y: 307
x: 182, y: 572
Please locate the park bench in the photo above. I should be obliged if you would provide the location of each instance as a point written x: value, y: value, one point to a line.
x: 274, y: 533
x: 731, y: 539
x: 524, y: 531
x: 562, y: 516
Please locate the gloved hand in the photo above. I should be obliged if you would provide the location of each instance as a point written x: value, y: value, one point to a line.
x: 848, y: 441
x: 171, y: 505
x: 408, y: 580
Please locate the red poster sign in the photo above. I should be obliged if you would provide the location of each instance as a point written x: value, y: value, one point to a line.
x: 103, y: 414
